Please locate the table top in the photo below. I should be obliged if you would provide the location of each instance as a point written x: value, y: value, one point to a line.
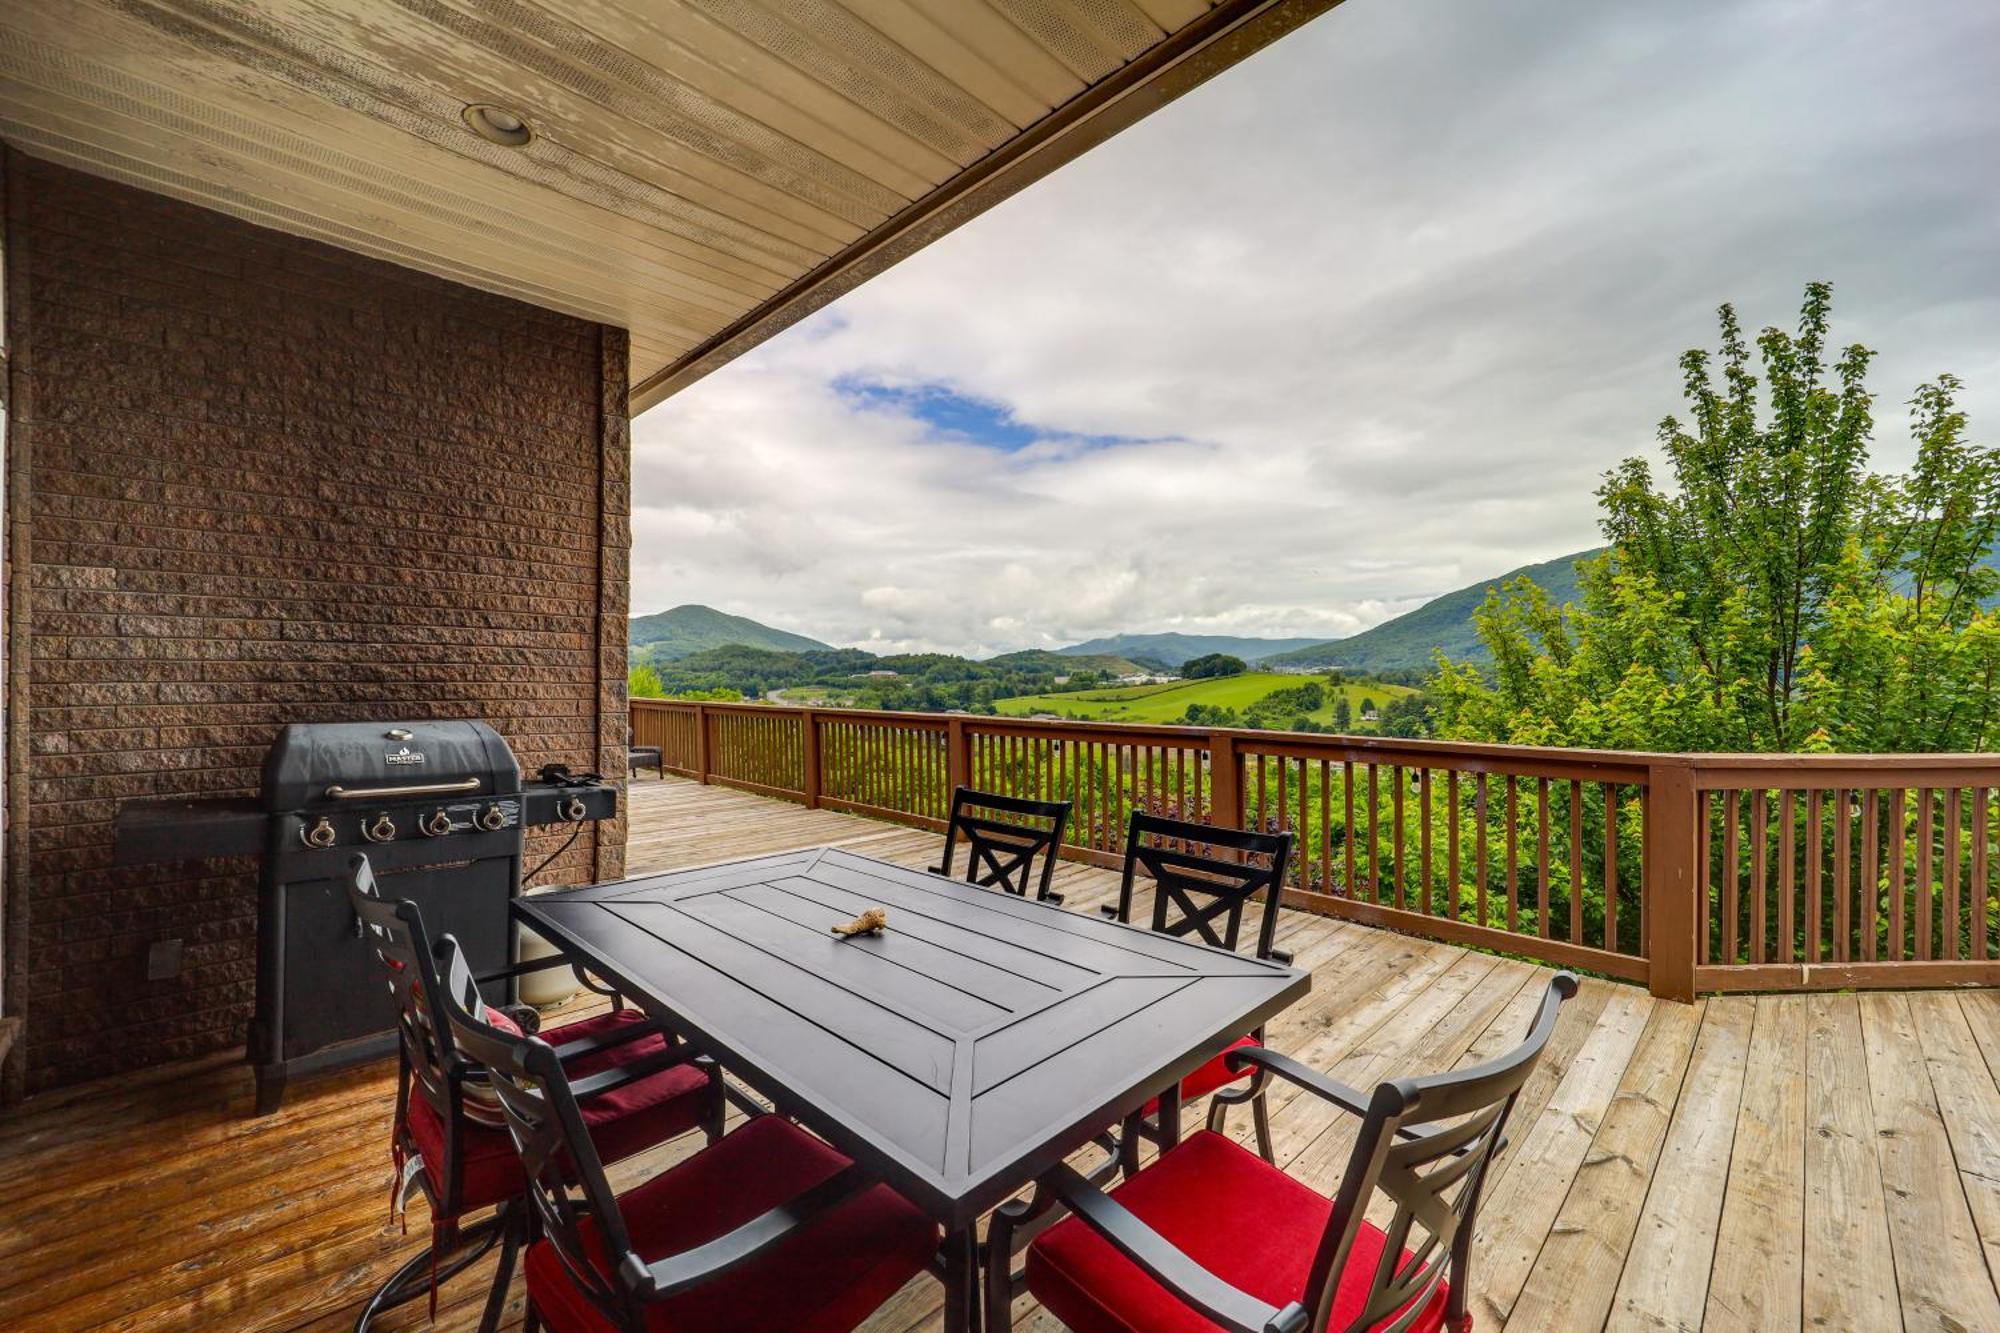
x: 971, y: 1046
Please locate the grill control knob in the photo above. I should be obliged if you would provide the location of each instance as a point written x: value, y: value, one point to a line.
x: 319, y: 835
x: 573, y: 809
x: 435, y: 824
x: 492, y: 818
x: 379, y: 829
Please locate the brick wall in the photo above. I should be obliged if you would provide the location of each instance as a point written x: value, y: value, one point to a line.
x: 253, y: 480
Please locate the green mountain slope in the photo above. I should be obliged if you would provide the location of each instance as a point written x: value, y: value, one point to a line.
x: 1174, y: 649
x: 1410, y: 641
x: 1043, y: 659
x: 667, y: 635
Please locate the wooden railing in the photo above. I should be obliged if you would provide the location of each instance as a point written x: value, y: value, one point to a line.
x: 1686, y: 873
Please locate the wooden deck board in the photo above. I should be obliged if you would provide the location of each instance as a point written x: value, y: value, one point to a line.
x: 1825, y: 1162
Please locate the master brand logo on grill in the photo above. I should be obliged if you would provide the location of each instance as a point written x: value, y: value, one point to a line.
x: 403, y: 757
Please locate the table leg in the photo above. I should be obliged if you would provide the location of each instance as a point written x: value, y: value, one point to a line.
x: 1170, y: 1117
x: 961, y: 1282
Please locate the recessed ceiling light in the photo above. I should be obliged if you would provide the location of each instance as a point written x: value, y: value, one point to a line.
x: 496, y: 124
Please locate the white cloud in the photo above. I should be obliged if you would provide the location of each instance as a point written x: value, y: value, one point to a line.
x: 1391, y: 297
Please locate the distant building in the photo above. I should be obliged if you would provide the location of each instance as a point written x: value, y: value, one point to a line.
x: 877, y: 675
x: 1062, y: 680
x: 1146, y: 678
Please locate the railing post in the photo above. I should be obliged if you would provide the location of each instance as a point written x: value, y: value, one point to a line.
x: 1671, y: 883
x: 809, y: 742
x: 700, y: 743
x: 957, y: 756
x: 1225, y: 781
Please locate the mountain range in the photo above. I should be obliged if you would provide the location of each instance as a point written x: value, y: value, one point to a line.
x: 666, y: 635
x: 1409, y: 642
x: 1171, y: 650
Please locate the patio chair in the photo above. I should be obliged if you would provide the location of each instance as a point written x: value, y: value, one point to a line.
x: 1204, y: 878
x: 639, y: 756
x: 1001, y: 852
x: 1210, y: 1236
x: 447, y: 1136
x: 767, y: 1228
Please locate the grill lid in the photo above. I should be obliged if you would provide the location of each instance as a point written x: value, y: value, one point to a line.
x: 310, y: 760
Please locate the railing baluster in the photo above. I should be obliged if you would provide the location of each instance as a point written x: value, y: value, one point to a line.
x: 1952, y: 806
x: 1479, y: 851
x: 1424, y: 807
x: 1759, y: 904
x: 1610, y: 865
x: 1374, y: 835
x: 1542, y: 912
x: 1347, y: 818
x: 1705, y: 885
x: 1451, y: 845
x: 1396, y: 832
x: 1814, y: 879
x: 1925, y: 917
x: 1731, y: 884
x: 1512, y: 814
x: 1325, y: 827
x: 1786, y: 883
x: 1575, y: 861
x: 1898, y: 838
x: 1977, y: 930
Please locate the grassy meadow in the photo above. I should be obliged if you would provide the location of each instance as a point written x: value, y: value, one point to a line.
x: 1168, y: 702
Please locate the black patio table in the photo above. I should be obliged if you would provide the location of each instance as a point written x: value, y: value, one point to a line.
x: 974, y: 1044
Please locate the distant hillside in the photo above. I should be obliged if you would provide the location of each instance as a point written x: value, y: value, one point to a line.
x: 1411, y: 641
x: 1173, y: 649
x: 667, y: 635
x: 1043, y: 659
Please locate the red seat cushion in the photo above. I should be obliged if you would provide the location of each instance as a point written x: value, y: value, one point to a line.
x: 1215, y: 1074
x: 825, y: 1278
x: 622, y: 1122
x: 1241, y: 1218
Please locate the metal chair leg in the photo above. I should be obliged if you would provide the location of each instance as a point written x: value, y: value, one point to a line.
x: 503, y: 1277
x: 413, y: 1279
x: 1260, y: 1116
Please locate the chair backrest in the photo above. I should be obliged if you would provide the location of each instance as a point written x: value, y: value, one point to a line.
x: 1004, y: 836
x: 395, y: 932
x: 566, y: 1180
x: 1432, y: 1177
x: 1205, y: 878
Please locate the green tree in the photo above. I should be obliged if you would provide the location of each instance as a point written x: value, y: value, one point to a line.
x: 1343, y: 713
x: 1213, y: 664
x: 643, y: 682
x: 1776, y: 595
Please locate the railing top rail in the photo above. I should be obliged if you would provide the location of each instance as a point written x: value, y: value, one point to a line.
x: 1718, y: 770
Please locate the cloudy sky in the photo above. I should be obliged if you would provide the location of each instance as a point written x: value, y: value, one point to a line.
x: 1361, y: 321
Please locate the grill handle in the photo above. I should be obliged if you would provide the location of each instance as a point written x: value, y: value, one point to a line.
x: 340, y: 793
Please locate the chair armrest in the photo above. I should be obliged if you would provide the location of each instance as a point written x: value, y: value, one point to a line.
x: 523, y: 969
x: 690, y: 1268
x: 1168, y: 1265
x: 618, y: 1076
x: 1349, y: 1099
x: 618, y: 1036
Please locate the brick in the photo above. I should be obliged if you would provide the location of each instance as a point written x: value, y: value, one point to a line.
x: 273, y: 481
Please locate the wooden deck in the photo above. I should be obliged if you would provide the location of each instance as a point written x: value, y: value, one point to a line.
x: 1821, y: 1162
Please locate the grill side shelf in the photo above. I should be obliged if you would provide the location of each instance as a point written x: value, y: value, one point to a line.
x: 543, y: 803
x: 180, y: 829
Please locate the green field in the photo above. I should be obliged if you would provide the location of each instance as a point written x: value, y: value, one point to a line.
x: 1166, y: 703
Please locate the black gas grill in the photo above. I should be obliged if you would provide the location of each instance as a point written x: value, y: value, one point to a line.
x: 441, y: 811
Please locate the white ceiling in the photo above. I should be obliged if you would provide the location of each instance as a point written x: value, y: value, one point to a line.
x: 701, y: 171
